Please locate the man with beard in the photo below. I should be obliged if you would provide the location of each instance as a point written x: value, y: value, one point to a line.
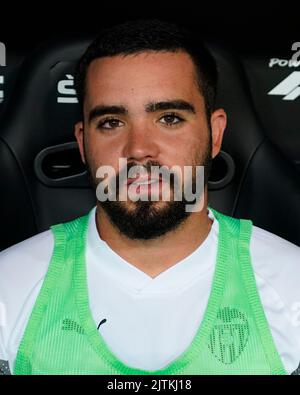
x: 146, y: 286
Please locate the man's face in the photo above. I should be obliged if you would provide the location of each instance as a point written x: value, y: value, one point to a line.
x: 146, y: 108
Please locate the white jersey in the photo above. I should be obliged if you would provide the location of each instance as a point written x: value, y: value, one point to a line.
x: 148, y: 322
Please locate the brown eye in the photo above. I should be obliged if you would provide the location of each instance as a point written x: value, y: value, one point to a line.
x: 171, y: 119
x: 110, y: 123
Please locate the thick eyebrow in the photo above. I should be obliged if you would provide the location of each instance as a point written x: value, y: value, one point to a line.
x: 100, y: 110
x: 170, y: 105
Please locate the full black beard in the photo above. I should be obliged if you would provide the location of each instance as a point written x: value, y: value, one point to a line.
x: 147, y: 221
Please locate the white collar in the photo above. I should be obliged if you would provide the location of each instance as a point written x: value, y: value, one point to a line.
x: 108, y: 262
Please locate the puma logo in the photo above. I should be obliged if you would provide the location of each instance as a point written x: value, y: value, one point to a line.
x: 71, y: 325
x: 101, y: 322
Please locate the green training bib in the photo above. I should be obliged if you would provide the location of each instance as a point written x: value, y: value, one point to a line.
x: 234, y: 337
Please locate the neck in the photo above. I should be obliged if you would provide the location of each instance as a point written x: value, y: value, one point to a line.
x: 157, y: 255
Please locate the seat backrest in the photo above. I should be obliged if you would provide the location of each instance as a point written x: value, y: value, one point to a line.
x: 8, y: 75
x: 266, y: 186
x: 43, y: 185
x: 274, y: 80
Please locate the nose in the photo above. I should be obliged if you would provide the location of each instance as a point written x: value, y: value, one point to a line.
x: 141, y: 144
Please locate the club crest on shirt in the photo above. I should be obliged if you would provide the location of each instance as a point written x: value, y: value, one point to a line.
x: 229, y: 335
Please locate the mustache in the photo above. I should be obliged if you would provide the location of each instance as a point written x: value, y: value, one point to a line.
x: 144, y: 167
x: 150, y: 168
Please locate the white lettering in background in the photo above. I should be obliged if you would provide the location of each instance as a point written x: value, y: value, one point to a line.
x: 284, y: 62
x: 289, y: 87
x: 296, y: 47
x: 2, y: 54
x: 1, y: 91
x: 65, y: 89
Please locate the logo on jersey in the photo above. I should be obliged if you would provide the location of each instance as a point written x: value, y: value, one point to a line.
x: 71, y: 325
x: 229, y: 336
x: 101, y: 322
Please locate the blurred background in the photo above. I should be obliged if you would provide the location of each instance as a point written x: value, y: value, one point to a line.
x: 257, y: 174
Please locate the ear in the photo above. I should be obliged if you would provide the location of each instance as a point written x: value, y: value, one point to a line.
x: 218, y: 124
x: 79, y: 137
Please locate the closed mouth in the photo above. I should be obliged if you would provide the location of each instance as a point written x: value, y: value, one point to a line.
x: 143, y: 181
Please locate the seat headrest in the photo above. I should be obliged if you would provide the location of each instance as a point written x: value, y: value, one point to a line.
x: 274, y: 80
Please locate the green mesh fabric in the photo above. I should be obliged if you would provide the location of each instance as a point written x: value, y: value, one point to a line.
x: 61, y: 336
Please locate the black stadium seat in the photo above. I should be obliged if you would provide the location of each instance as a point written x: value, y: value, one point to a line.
x: 274, y: 79
x: 45, y: 182
x: 39, y: 188
x: 10, y: 64
x: 266, y: 186
x: 8, y: 75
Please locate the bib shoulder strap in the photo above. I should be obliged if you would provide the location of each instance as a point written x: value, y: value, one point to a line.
x: 232, y: 225
x: 65, y: 236
x: 70, y: 230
